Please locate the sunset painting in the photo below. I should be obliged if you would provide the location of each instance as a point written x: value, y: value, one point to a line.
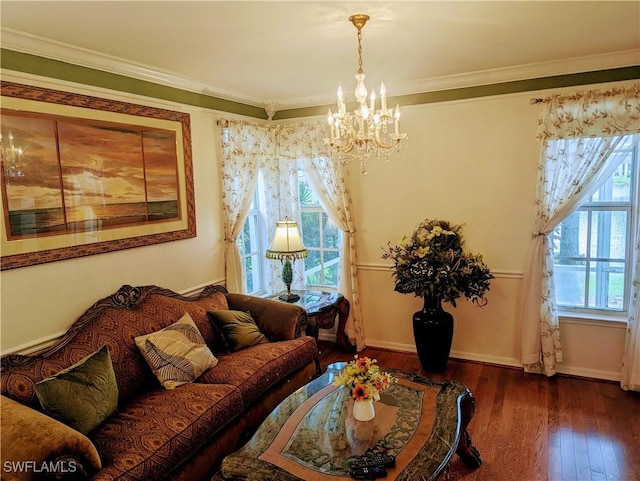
x: 82, y: 175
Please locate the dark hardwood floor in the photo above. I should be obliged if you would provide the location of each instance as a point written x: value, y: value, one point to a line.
x: 532, y: 428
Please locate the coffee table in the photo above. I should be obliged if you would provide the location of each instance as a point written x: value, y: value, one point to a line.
x: 311, y: 435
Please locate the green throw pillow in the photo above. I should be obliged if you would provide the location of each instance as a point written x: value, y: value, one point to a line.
x: 83, y: 395
x: 177, y: 354
x: 237, y: 329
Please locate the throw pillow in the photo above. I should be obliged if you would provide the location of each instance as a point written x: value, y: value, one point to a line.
x: 236, y: 328
x: 177, y: 354
x: 83, y: 395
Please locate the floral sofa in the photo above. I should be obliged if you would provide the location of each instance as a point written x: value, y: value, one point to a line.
x: 155, y: 433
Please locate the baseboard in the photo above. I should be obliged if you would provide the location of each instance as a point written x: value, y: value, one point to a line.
x: 497, y: 360
x: 501, y: 361
x: 327, y: 336
x: 588, y: 373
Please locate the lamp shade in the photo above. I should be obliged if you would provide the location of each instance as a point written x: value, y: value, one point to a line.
x: 286, y: 243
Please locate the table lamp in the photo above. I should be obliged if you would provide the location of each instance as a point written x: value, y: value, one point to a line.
x: 287, y: 246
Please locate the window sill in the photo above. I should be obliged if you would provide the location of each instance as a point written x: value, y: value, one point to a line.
x: 586, y: 318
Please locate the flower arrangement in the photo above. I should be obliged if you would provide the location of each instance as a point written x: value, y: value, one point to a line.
x: 363, y: 378
x: 432, y: 263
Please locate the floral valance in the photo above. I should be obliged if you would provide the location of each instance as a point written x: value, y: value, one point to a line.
x: 302, y: 140
x: 293, y: 140
x: 590, y: 114
x: 250, y: 140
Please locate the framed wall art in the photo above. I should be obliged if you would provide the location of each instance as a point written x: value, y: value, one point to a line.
x: 83, y: 175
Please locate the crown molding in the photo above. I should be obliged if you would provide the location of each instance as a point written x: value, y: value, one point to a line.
x: 591, y: 63
x: 51, y: 49
x: 627, y: 58
x: 42, y: 47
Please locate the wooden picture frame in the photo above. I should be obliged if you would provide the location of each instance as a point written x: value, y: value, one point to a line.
x: 83, y: 175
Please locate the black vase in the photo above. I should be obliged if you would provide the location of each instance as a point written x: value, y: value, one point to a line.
x: 433, y: 334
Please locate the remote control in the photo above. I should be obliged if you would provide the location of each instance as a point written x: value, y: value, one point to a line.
x: 385, y: 460
x: 365, y: 472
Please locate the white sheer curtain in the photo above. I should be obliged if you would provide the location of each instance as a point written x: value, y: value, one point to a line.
x: 630, y: 378
x: 245, y: 146
x: 278, y: 149
x: 281, y: 199
x: 327, y: 178
x: 304, y: 141
x: 578, y: 134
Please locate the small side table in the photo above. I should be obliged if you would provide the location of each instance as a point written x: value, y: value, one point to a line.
x: 322, y: 309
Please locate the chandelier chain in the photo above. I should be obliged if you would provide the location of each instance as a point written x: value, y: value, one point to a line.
x: 360, y: 70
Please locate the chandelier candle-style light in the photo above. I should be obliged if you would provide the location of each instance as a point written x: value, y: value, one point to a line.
x: 366, y: 132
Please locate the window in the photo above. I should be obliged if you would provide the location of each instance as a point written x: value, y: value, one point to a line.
x: 592, y: 246
x: 320, y: 236
x: 251, y: 242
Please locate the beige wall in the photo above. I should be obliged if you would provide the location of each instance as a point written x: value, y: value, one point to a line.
x: 39, y: 302
x: 471, y: 162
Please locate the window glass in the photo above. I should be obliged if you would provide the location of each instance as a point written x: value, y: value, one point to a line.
x: 251, y: 252
x: 320, y: 236
x: 592, y: 245
x: 311, y: 229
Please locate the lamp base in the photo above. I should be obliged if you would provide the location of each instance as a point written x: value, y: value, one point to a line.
x: 289, y: 297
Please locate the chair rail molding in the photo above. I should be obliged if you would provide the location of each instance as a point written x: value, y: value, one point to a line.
x: 499, y: 274
x: 44, y: 342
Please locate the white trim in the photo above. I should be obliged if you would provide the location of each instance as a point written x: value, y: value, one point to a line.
x: 35, y: 45
x: 86, y: 89
x: 588, y: 373
x: 387, y: 268
x: 625, y: 58
x: 47, y: 341
x: 488, y: 359
x: 467, y: 356
x: 197, y: 289
x: 35, y: 345
x: 51, y: 49
x: 327, y: 335
x: 500, y: 361
x: 584, y: 319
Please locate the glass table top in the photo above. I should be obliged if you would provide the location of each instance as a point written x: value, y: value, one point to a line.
x: 312, y: 435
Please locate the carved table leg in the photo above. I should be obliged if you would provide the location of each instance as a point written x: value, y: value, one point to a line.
x: 342, y: 339
x: 312, y: 327
x: 467, y: 452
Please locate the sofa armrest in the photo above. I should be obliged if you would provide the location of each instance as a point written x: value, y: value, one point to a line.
x: 278, y: 320
x: 36, y: 446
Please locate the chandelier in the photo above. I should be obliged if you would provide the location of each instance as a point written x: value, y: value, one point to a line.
x: 13, y: 160
x: 366, y: 132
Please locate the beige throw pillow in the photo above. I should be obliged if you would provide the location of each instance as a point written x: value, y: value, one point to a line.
x: 177, y: 354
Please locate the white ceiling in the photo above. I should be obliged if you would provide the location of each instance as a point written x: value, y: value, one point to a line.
x: 280, y: 54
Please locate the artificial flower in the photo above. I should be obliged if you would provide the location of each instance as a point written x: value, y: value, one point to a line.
x: 363, y: 378
x: 432, y: 263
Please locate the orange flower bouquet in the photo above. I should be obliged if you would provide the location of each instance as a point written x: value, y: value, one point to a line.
x: 363, y: 378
